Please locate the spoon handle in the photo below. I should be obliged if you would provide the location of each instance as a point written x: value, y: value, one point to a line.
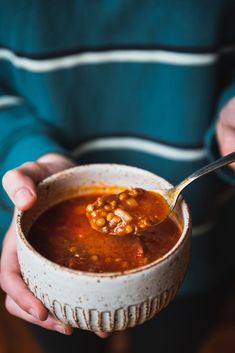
x: 175, y: 191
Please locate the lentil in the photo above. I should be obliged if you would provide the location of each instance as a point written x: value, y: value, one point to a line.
x: 100, y: 222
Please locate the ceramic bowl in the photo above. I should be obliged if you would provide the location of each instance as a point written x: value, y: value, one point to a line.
x: 107, y: 301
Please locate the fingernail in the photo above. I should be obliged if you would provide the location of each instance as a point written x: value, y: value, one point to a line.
x: 23, y: 196
x: 61, y: 328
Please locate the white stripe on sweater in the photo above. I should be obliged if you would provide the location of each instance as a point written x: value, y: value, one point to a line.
x: 6, y: 101
x: 141, y: 145
x: 110, y: 56
x: 203, y: 228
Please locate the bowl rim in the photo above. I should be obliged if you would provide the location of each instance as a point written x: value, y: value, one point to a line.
x: 185, y: 233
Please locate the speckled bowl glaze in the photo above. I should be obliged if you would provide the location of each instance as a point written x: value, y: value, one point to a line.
x: 107, y: 301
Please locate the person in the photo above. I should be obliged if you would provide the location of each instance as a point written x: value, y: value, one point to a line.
x: 147, y: 83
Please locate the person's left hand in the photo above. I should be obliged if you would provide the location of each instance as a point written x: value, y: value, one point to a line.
x: 225, y: 129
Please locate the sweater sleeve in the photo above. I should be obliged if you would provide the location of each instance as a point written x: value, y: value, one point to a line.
x: 226, y: 173
x: 23, y: 135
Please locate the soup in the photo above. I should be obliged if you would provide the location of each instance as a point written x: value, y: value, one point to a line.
x: 63, y: 235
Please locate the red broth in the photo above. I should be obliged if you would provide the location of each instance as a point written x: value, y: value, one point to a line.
x: 63, y: 235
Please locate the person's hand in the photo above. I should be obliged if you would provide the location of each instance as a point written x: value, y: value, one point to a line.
x: 225, y: 129
x: 20, y: 185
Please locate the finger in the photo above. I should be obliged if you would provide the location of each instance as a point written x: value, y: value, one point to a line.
x: 226, y: 140
x: 12, y: 283
x: 103, y: 334
x: 50, y: 323
x: 20, y: 183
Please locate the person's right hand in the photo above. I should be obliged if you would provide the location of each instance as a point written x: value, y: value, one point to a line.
x: 20, y: 185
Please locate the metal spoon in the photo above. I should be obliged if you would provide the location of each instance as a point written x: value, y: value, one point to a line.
x: 128, y: 221
x: 171, y: 195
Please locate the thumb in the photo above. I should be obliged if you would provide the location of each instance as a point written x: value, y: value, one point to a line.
x: 20, y: 183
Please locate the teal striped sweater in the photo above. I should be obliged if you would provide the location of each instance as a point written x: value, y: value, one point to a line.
x: 134, y: 82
